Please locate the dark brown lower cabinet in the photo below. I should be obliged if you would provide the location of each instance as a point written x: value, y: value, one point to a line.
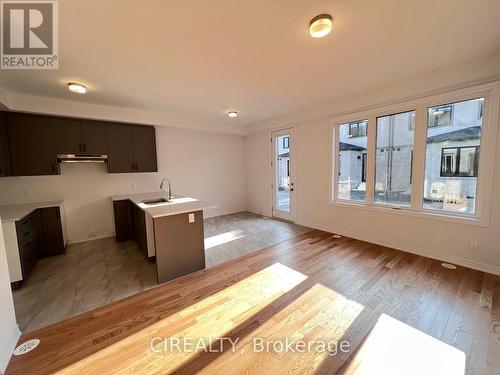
x: 51, y: 233
x: 123, y: 223
x: 39, y: 235
x: 139, y: 225
x: 130, y: 224
x: 28, y: 239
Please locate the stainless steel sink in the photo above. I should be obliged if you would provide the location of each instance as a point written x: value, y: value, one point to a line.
x: 155, y: 201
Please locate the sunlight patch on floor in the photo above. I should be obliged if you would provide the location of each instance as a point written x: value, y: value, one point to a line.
x: 319, y: 316
x: 212, y: 317
x: 223, y: 238
x: 393, y: 347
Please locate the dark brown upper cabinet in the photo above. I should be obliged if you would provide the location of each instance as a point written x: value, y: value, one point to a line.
x: 120, y: 148
x: 94, y: 137
x: 31, y: 143
x: 79, y: 137
x: 67, y: 135
x: 5, y: 167
x: 144, y: 148
x: 131, y: 148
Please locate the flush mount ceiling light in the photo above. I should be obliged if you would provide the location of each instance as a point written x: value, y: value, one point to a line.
x: 232, y: 114
x: 77, y: 87
x: 320, y: 26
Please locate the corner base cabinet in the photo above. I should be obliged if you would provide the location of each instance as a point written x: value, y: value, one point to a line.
x: 39, y: 233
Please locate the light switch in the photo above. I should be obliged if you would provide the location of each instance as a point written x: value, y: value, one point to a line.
x: 191, y: 218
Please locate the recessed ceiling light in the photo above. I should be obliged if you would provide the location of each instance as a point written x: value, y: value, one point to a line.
x: 77, y: 87
x: 232, y: 114
x: 320, y: 26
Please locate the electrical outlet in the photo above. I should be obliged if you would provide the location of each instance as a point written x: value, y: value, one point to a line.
x: 93, y: 233
x: 474, y: 245
x: 133, y: 186
x: 26, y: 193
x: 191, y: 218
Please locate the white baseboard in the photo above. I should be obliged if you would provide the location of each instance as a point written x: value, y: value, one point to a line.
x: 488, y: 268
x: 257, y: 212
x: 8, y: 347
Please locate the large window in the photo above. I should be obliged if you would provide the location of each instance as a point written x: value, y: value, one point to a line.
x: 352, y: 162
x: 452, y: 159
x: 425, y: 156
x: 394, y: 159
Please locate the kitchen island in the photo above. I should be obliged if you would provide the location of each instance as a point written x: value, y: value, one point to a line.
x: 168, y: 231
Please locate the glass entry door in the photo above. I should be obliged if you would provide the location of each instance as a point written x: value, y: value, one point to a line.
x: 283, y: 170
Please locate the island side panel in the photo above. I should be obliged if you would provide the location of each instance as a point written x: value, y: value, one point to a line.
x: 180, y: 248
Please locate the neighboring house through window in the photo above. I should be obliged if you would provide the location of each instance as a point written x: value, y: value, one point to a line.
x: 459, y: 161
x: 357, y: 129
x: 286, y: 142
x: 440, y: 116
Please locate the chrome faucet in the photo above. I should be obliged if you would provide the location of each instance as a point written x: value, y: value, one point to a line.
x: 170, y: 196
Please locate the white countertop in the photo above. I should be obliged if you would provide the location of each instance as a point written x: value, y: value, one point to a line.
x: 177, y: 205
x: 16, y: 212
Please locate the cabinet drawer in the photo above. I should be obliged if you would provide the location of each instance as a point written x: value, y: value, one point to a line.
x: 25, y: 236
x: 24, y: 223
x: 28, y: 257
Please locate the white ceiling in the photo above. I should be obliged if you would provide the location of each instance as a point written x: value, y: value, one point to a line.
x: 200, y: 58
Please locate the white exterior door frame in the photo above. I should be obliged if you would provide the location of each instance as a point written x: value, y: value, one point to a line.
x: 284, y: 200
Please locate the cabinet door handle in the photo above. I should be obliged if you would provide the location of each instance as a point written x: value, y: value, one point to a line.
x: 84, y: 147
x: 53, y: 167
x: 80, y: 147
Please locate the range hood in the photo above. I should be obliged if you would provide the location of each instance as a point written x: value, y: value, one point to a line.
x: 81, y: 158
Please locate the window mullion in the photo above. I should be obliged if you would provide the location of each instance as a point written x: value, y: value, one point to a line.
x: 419, y: 147
x: 371, y: 159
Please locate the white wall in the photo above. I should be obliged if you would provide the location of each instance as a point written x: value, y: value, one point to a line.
x: 206, y: 165
x: 257, y: 173
x: 438, y: 239
x: 9, y: 331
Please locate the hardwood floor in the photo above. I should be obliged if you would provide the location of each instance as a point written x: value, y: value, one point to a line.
x: 398, y: 313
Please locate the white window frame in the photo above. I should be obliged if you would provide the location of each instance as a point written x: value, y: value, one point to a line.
x: 491, y: 94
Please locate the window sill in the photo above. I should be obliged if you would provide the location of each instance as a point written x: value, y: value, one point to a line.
x: 406, y: 211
